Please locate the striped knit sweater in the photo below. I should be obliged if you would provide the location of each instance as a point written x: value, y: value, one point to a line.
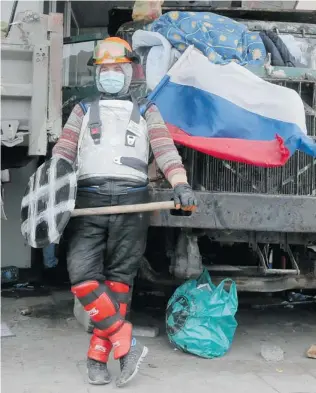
x: 164, y: 150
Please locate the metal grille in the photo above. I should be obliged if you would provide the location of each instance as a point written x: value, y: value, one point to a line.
x: 297, y: 177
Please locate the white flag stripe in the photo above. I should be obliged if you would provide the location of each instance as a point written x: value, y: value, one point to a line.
x: 239, y: 86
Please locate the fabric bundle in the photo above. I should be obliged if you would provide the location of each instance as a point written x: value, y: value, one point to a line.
x: 219, y: 38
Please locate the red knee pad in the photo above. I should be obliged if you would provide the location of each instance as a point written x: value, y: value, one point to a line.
x: 99, y: 301
x: 99, y: 349
x: 121, y: 340
x: 122, y: 294
x: 100, y: 304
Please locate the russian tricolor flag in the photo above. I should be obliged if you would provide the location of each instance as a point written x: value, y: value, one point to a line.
x: 228, y: 112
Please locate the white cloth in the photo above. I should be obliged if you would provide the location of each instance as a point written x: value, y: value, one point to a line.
x: 161, y: 56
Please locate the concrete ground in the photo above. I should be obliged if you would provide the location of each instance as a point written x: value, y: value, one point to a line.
x: 47, y: 355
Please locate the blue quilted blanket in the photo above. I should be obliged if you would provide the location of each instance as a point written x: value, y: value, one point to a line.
x: 221, y: 39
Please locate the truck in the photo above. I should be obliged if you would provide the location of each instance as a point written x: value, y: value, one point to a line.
x: 31, y: 110
x: 255, y: 225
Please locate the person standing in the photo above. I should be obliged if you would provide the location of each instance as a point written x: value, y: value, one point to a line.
x: 108, y: 141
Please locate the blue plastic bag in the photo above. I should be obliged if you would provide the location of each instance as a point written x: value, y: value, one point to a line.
x: 200, y: 317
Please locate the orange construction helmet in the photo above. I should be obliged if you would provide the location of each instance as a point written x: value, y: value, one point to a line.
x: 113, y: 50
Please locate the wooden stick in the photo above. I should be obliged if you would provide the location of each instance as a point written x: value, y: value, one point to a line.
x: 142, y: 207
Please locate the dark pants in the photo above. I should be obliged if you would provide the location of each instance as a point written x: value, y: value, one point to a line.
x: 107, y: 247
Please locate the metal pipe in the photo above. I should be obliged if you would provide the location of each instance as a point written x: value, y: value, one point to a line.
x: 67, y: 19
x: 53, y: 6
x: 75, y: 21
x: 268, y: 283
x: 12, y: 16
x: 280, y: 272
x: 67, y: 48
x: 73, y: 16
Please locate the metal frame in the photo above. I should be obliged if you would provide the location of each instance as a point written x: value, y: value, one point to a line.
x: 261, y: 237
x: 12, y: 16
x: 52, y: 7
x: 258, y: 284
x: 83, y: 38
x: 247, y: 278
x: 67, y: 32
x: 285, y: 74
x: 264, y: 265
x: 36, y: 39
x: 124, y: 13
x: 54, y: 124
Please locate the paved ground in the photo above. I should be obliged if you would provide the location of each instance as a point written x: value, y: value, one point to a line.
x: 48, y: 350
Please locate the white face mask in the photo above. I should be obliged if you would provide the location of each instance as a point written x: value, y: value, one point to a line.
x: 112, y: 81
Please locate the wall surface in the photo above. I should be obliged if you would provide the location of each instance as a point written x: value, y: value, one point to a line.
x: 306, y: 5
x: 6, y: 7
x: 281, y: 5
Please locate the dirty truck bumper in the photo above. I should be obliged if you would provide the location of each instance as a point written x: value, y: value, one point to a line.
x: 237, y: 211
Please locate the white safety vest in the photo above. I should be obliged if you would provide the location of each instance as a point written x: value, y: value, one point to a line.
x: 124, y: 145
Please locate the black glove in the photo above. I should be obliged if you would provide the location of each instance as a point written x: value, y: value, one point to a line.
x: 184, y: 197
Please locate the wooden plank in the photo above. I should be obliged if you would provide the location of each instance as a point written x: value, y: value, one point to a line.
x: 120, y: 209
